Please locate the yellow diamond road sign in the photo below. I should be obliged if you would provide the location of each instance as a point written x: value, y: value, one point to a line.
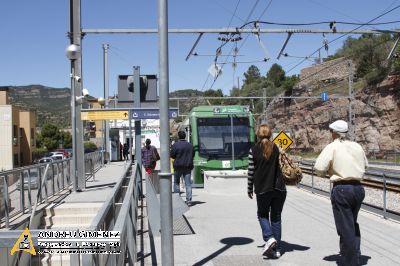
x: 105, y: 115
x: 283, y: 140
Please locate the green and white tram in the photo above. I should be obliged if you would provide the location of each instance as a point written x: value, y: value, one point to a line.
x: 221, y: 137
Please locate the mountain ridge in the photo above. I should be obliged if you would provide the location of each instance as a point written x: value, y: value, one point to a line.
x: 51, y: 104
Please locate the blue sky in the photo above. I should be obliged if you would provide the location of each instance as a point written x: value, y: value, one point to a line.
x: 34, y: 38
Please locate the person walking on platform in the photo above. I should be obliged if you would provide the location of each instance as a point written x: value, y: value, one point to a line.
x: 182, y: 152
x: 126, y: 151
x: 345, y: 162
x: 265, y: 179
x: 150, y: 157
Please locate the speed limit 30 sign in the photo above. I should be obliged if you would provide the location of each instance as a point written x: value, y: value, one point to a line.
x: 283, y: 140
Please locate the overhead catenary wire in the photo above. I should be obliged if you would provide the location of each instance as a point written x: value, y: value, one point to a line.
x: 343, y: 14
x: 320, y: 23
x: 248, y: 17
x: 338, y: 62
x: 341, y: 36
x: 338, y: 22
x: 229, y: 24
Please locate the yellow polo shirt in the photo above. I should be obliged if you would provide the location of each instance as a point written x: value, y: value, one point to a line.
x: 342, y: 160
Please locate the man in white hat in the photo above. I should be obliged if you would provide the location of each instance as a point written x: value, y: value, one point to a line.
x: 345, y: 162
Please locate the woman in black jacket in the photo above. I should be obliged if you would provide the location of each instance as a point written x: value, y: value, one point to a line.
x: 264, y: 178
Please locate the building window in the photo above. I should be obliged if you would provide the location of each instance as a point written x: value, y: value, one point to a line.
x: 32, y: 137
x: 16, y: 163
x: 15, y: 136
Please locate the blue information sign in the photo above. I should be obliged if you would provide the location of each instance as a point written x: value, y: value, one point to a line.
x: 152, y: 113
x: 324, y: 96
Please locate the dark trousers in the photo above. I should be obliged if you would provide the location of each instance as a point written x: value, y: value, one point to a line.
x: 346, y: 202
x: 269, y: 209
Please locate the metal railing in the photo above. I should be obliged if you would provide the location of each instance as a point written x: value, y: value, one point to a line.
x: 22, y: 189
x: 19, y: 187
x: 93, y: 162
x: 383, y: 176
x: 119, y: 213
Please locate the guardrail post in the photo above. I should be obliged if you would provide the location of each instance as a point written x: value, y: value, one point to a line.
x: 384, y: 196
x: 40, y: 184
x: 22, y: 191
x: 29, y: 191
x: 92, y: 169
x: 102, y: 158
x: 5, y: 200
x: 167, y: 240
x: 312, y: 178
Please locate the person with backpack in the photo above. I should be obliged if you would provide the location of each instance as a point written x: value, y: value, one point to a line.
x: 265, y: 181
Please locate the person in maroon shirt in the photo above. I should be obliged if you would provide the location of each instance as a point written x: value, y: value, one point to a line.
x: 150, y: 157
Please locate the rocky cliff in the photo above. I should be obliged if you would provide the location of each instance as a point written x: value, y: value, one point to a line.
x: 377, y: 116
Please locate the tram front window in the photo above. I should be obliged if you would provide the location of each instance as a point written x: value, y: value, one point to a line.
x: 215, y: 137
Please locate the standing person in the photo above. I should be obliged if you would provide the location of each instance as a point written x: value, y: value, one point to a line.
x: 126, y: 151
x: 182, y: 152
x: 265, y: 178
x: 345, y: 162
x: 150, y: 157
x: 121, y: 147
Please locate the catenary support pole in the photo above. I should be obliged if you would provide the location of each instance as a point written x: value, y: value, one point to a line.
x: 167, y: 243
x: 77, y: 129
x: 233, y: 145
x: 352, y: 126
x: 138, y: 124
x: 73, y: 125
x: 106, y: 96
x: 130, y: 137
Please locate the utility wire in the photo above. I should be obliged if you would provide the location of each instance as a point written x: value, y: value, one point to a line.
x: 223, y: 44
x: 248, y: 17
x: 340, y: 61
x: 242, y: 62
x: 343, y: 14
x: 341, y: 36
x: 321, y: 22
x: 233, y: 14
x: 229, y: 24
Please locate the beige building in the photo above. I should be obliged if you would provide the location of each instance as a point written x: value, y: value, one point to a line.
x: 17, y: 129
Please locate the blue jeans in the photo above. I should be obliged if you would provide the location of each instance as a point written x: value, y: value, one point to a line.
x: 346, y: 202
x: 269, y: 209
x: 188, y: 182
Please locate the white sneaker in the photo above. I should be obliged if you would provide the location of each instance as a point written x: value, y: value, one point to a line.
x: 269, y: 245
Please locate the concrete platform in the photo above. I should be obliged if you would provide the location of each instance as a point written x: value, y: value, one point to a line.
x: 78, y: 209
x: 226, y: 232
x: 97, y: 190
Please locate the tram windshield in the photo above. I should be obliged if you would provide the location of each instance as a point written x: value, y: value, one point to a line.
x: 215, y: 137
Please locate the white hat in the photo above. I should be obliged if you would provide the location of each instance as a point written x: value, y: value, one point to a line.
x: 339, y: 126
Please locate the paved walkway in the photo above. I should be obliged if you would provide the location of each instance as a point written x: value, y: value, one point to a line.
x: 98, y: 190
x: 226, y: 232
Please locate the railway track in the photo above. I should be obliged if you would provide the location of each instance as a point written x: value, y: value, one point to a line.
x: 371, y: 179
